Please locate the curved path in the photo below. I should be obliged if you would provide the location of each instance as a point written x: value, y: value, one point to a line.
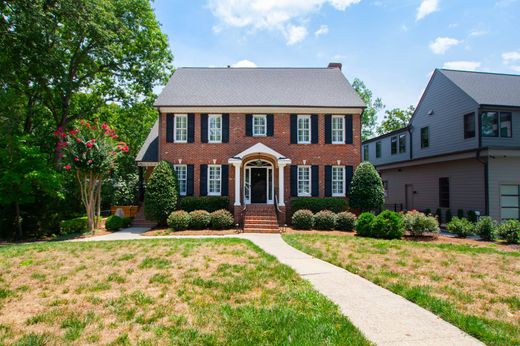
x: 382, y: 316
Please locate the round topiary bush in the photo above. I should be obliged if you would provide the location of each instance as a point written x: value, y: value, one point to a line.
x: 200, y: 219
x: 325, y: 220
x: 366, y: 189
x: 388, y: 225
x: 221, y: 219
x: 487, y: 228
x: 114, y: 223
x: 179, y: 220
x: 510, y: 231
x: 460, y: 226
x: 303, y: 219
x: 345, y: 221
x: 364, y: 224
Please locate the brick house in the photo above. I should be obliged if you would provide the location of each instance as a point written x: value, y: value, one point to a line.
x: 260, y: 136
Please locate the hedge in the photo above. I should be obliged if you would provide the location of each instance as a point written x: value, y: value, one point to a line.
x: 316, y: 204
x: 78, y: 224
x: 208, y: 203
x: 114, y: 222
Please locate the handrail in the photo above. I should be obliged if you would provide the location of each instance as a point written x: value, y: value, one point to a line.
x: 278, y: 210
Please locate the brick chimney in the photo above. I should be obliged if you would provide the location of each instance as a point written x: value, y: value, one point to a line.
x: 334, y: 65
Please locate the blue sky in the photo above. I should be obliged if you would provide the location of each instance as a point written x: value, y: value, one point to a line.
x: 392, y: 45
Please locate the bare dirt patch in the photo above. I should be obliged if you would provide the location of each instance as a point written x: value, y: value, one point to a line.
x: 166, y: 231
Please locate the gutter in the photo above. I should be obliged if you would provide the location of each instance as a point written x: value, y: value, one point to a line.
x: 484, y: 163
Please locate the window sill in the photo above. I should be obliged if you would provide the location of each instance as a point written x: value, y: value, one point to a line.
x: 210, y: 142
x: 214, y: 194
x: 339, y: 195
x: 259, y: 135
x: 180, y: 142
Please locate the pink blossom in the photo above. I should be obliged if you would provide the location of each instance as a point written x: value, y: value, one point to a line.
x: 89, y: 162
x: 76, y: 158
x: 78, y: 140
x: 89, y: 145
x: 67, y: 167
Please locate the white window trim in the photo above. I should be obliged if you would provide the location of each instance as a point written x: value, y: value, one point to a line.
x: 219, y: 193
x: 342, y: 118
x: 303, y: 116
x: 210, y: 116
x: 298, y: 181
x: 175, y: 117
x: 186, y: 180
x: 264, y: 117
x: 343, y: 192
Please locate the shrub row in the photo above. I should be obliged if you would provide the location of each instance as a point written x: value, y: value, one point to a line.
x: 207, y: 203
x: 387, y: 225
x: 114, y: 222
x: 486, y: 228
x: 200, y: 219
x: 323, y: 220
x: 315, y: 204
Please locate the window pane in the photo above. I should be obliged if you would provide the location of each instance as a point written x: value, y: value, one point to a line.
x: 425, y: 137
x: 181, y: 128
x: 378, y: 149
x: 181, y: 172
x: 259, y: 125
x: 509, y: 190
x: 402, y: 143
x: 393, y: 144
x: 506, y: 129
x: 304, y: 130
x: 510, y: 213
x: 338, y: 181
x: 490, y: 124
x: 469, y: 125
x: 304, y: 182
x: 337, y: 129
x: 214, y: 180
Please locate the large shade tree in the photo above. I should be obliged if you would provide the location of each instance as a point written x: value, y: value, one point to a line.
x: 373, y: 106
x: 395, y: 119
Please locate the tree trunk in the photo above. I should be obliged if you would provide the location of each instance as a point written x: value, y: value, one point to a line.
x: 18, y: 221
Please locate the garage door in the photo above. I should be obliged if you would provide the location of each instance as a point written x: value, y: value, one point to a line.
x: 510, y: 202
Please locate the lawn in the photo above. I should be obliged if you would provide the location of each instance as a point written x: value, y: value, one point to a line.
x: 168, y: 291
x: 475, y: 288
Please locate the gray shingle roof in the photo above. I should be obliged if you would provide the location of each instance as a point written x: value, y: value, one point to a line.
x: 149, y: 152
x: 300, y: 87
x: 488, y: 88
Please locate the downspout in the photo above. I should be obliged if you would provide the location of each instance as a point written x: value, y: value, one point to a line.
x: 411, y: 141
x: 483, y: 162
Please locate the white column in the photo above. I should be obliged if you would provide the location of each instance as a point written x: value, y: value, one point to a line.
x: 237, y: 182
x: 281, y: 188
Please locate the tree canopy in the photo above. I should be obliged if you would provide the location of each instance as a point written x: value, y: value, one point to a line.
x: 395, y: 119
x: 374, y: 105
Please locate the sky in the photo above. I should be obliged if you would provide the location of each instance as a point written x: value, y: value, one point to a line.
x: 391, y: 45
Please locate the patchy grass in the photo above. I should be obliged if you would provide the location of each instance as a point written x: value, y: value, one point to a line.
x: 476, y: 288
x: 168, y: 291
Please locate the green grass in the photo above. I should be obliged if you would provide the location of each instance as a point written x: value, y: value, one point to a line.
x: 474, y: 288
x: 168, y: 291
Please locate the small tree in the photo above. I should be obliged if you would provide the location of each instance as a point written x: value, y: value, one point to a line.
x: 161, y: 194
x: 366, y: 189
x: 90, y: 151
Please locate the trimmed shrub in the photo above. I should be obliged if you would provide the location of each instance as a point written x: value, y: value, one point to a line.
x: 179, y: 220
x: 387, y: 225
x: 510, y: 231
x: 460, y: 213
x: 325, y: 220
x: 448, y: 216
x: 366, y: 189
x: 78, y: 224
x: 486, y: 228
x: 200, y: 219
x: 208, y: 203
x: 114, y: 223
x: 472, y: 216
x: 345, y: 221
x: 316, y: 204
x: 364, y: 224
x: 417, y: 223
x: 161, y: 194
x: 460, y: 226
x: 221, y: 219
x: 303, y: 219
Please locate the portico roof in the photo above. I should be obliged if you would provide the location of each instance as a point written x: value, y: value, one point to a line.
x: 260, y: 148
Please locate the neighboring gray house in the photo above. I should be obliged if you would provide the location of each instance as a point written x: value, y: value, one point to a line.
x: 461, y: 149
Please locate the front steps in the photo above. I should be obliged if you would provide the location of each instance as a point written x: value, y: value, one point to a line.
x: 140, y: 221
x: 261, y: 218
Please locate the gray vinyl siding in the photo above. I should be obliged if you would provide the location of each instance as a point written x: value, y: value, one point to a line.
x: 466, y: 185
x: 501, y: 171
x: 386, y: 152
x: 446, y: 125
x: 514, y: 141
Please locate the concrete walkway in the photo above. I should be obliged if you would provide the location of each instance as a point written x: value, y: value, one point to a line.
x: 382, y: 316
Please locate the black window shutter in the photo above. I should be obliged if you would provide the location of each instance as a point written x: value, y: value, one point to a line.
x: 224, y: 180
x: 294, y: 128
x: 225, y: 128
x: 191, y: 128
x: 270, y: 124
x: 249, y: 125
x: 203, y: 180
x: 189, y: 180
x: 169, y: 127
x: 315, y: 184
x: 349, y: 172
x: 294, y: 180
x: 328, y: 129
x: 204, y: 128
x: 314, y: 128
x: 328, y: 181
x: 348, y: 130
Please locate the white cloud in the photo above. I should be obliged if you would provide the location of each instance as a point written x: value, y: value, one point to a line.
x: 478, y: 33
x: 462, y: 65
x: 244, y: 63
x: 442, y: 44
x: 285, y: 16
x: 425, y: 8
x: 512, y: 60
x: 324, y: 29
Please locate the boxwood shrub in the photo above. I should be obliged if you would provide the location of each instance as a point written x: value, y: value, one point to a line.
x: 208, y: 203
x: 345, y: 221
x: 325, y: 220
x: 316, y: 204
x: 387, y: 225
x: 179, y: 220
x: 364, y: 224
x: 303, y: 219
x: 200, y: 219
x: 78, y: 224
x: 486, y: 228
x: 460, y: 226
x: 418, y: 223
x: 510, y: 231
x: 222, y: 219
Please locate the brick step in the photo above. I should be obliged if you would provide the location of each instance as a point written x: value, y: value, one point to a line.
x: 261, y: 230
x: 266, y: 213
x: 261, y: 225
x: 260, y: 218
x: 260, y: 222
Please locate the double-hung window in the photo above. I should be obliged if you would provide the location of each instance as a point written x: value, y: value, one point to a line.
x: 181, y: 128
x: 496, y: 124
x: 393, y: 145
x: 304, y: 181
x: 378, y: 149
x: 338, y: 181
x: 182, y: 176
x: 304, y: 129
x: 469, y: 125
x: 259, y: 125
x: 425, y: 137
x: 214, y: 180
x: 506, y: 128
x: 338, y: 129
x: 402, y: 143
x: 215, y: 128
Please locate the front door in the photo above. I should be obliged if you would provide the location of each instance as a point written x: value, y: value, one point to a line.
x: 258, y: 185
